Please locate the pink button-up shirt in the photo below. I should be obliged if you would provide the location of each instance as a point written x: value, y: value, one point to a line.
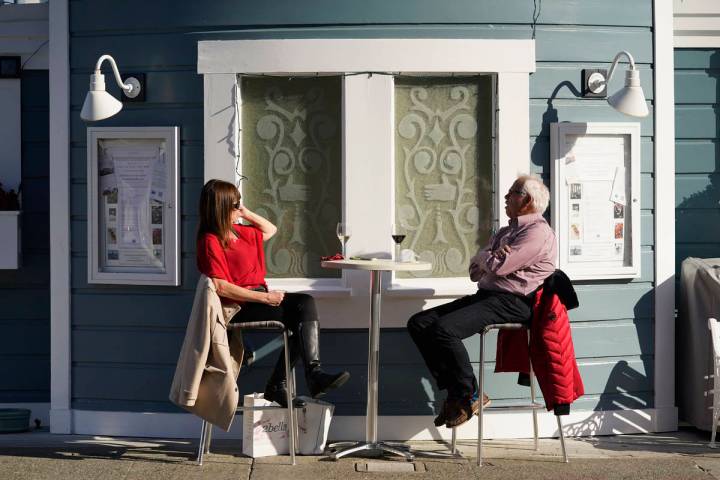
x: 532, y: 256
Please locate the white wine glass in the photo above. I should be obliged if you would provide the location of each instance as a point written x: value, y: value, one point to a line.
x: 343, y: 232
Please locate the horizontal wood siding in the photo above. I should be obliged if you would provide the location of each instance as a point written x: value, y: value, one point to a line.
x: 697, y: 154
x: 126, y: 339
x: 25, y: 292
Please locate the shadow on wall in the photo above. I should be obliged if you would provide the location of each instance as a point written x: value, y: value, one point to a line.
x: 697, y: 233
x: 695, y: 211
x: 627, y: 389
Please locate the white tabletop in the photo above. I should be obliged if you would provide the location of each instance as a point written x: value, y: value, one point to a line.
x: 377, y: 264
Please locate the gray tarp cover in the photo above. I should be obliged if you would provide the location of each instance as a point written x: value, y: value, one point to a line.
x: 699, y: 300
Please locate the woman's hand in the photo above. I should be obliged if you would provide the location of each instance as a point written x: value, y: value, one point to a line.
x: 274, y: 297
x: 265, y: 226
x: 244, y: 212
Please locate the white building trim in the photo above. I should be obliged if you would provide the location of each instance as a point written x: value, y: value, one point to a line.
x: 60, y: 412
x: 368, y: 113
x: 498, y: 424
x: 696, y: 23
x: 297, y: 56
x: 24, y: 32
x: 664, y: 295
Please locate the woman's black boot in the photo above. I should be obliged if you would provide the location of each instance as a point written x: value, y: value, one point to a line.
x: 318, y: 382
x: 276, y: 387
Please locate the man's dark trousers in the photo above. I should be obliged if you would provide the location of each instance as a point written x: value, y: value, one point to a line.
x: 439, y: 331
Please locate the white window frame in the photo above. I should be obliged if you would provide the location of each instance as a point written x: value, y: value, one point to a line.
x: 368, y: 113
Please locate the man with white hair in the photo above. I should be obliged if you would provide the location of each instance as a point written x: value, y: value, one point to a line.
x: 508, y: 270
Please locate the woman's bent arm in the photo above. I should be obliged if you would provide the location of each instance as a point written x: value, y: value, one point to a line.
x: 266, y: 226
x: 233, y: 292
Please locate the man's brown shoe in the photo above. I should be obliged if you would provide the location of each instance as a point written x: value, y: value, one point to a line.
x: 457, y: 412
x: 460, y: 411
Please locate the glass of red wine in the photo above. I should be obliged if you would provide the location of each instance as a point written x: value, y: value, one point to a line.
x: 398, y: 236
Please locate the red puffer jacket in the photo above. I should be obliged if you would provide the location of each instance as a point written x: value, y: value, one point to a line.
x: 551, y: 351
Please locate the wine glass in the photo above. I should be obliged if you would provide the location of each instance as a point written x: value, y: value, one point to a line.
x: 398, y: 236
x: 343, y: 233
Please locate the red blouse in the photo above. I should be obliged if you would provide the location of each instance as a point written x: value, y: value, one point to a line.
x: 241, y: 263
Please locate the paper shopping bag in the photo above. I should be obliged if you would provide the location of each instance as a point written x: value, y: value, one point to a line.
x: 265, y: 432
x: 313, y: 425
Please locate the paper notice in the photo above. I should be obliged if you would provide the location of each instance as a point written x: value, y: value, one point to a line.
x: 618, y: 189
x: 571, y: 170
x: 159, y: 178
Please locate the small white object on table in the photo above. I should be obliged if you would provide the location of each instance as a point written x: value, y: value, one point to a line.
x: 375, y: 267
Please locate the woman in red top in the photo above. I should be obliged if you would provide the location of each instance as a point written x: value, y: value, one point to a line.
x: 232, y: 256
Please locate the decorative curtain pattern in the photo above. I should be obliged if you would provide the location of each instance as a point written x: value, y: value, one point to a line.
x: 291, y: 154
x: 443, y: 169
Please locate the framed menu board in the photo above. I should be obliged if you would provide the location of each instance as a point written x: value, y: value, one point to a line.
x: 133, y: 212
x: 595, y: 169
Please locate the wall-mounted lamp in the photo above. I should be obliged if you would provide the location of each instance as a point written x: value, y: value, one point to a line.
x: 99, y: 104
x: 629, y: 100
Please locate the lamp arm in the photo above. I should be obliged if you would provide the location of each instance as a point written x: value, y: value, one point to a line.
x: 124, y: 86
x: 615, y: 62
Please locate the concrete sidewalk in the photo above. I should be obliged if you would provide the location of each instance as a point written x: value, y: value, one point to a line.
x: 677, y: 455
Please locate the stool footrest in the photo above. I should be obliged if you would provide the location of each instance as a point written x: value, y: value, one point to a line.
x: 524, y: 406
x: 268, y: 407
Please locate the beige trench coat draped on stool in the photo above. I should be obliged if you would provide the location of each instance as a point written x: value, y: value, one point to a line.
x: 205, y: 381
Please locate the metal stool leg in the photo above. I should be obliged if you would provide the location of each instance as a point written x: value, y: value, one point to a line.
x: 201, y: 446
x: 453, y: 443
x: 290, y: 380
x: 208, y: 435
x: 562, y: 439
x: 295, y: 418
x: 532, y: 400
x: 481, y: 411
x: 534, y: 410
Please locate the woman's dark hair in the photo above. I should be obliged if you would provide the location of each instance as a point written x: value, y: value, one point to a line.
x: 216, y: 204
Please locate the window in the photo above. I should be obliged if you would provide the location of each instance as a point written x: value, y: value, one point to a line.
x: 373, y: 150
x: 443, y: 169
x: 291, y: 148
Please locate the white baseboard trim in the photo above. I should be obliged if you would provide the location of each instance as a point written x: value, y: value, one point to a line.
x: 497, y: 425
x: 61, y: 420
x: 39, y: 410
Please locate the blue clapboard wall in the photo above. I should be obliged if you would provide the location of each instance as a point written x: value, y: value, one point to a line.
x: 125, y: 340
x: 25, y: 293
x: 697, y: 154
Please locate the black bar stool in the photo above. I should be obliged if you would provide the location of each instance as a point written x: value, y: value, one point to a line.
x: 206, y: 429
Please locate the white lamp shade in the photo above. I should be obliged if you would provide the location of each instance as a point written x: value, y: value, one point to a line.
x: 99, y: 105
x: 630, y: 99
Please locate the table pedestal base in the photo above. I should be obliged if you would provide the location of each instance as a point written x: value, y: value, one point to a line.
x: 380, y: 447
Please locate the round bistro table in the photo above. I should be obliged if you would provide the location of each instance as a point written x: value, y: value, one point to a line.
x: 375, y: 267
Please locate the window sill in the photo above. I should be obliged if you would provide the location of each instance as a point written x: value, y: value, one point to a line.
x: 427, y: 287
x: 318, y: 287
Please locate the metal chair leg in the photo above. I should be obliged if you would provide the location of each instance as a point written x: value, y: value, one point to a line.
x: 481, y: 411
x: 201, y: 446
x: 290, y: 380
x: 296, y: 432
x: 453, y: 443
x: 208, y: 435
x: 562, y: 439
